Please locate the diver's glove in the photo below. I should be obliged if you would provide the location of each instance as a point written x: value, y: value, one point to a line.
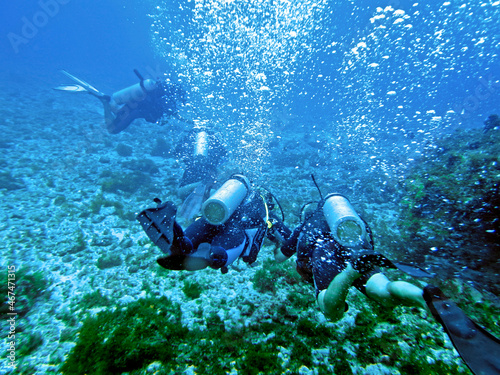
x: 198, y: 260
x: 366, y: 260
x: 217, y: 257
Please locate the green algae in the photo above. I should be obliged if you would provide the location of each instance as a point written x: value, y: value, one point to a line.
x: 100, y: 201
x: 273, y: 276
x: 132, y: 336
x: 29, y: 342
x: 150, y: 332
x: 94, y: 299
x: 29, y: 287
x: 192, y: 289
x: 109, y: 261
x: 132, y: 182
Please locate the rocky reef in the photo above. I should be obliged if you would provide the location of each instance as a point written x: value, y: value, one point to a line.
x: 450, y: 207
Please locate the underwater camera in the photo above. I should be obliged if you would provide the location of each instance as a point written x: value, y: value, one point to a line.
x: 345, y: 224
x: 221, y: 205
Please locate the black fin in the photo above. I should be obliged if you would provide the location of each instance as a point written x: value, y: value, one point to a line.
x: 184, y: 262
x: 412, y: 270
x: 158, y: 223
x: 172, y: 262
x: 479, y: 349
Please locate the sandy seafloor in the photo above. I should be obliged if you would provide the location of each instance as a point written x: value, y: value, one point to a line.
x: 55, y: 148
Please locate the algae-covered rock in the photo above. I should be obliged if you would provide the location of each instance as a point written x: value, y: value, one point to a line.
x: 109, y: 261
x: 123, y: 149
x: 117, y: 182
x: 451, y: 205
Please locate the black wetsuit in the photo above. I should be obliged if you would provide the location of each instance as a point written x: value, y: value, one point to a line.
x: 152, y: 106
x: 199, y: 167
x: 319, y: 257
x: 241, y: 236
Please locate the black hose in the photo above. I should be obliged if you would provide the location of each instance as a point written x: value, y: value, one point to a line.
x: 138, y: 75
x: 317, y: 187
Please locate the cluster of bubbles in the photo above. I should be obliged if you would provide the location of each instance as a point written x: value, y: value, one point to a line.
x: 238, y: 58
x: 411, y: 76
x: 404, y: 76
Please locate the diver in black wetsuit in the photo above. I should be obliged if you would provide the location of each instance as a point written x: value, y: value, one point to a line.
x: 334, y: 249
x: 148, y: 99
x: 202, y: 152
x: 235, y: 221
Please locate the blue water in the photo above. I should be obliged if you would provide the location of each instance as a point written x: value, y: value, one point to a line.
x: 353, y: 91
x: 102, y: 40
x: 448, y: 49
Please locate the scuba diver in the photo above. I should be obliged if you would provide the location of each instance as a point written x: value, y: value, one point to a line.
x: 235, y: 220
x: 149, y: 99
x: 335, y: 250
x: 202, y: 152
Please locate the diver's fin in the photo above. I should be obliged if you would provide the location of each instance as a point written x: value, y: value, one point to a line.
x: 479, y: 349
x: 193, y: 262
x: 412, y: 270
x: 86, y: 86
x: 172, y: 262
x: 70, y: 88
x: 158, y: 223
x: 192, y: 204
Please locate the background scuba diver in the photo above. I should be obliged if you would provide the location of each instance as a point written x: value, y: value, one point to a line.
x: 334, y: 249
x: 235, y: 221
x: 149, y: 99
x: 202, y: 152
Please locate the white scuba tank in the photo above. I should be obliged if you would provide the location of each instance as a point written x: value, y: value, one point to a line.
x: 221, y: 205
x: 135, y: 92
x: 345, y: 224
x: 201, y: 144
